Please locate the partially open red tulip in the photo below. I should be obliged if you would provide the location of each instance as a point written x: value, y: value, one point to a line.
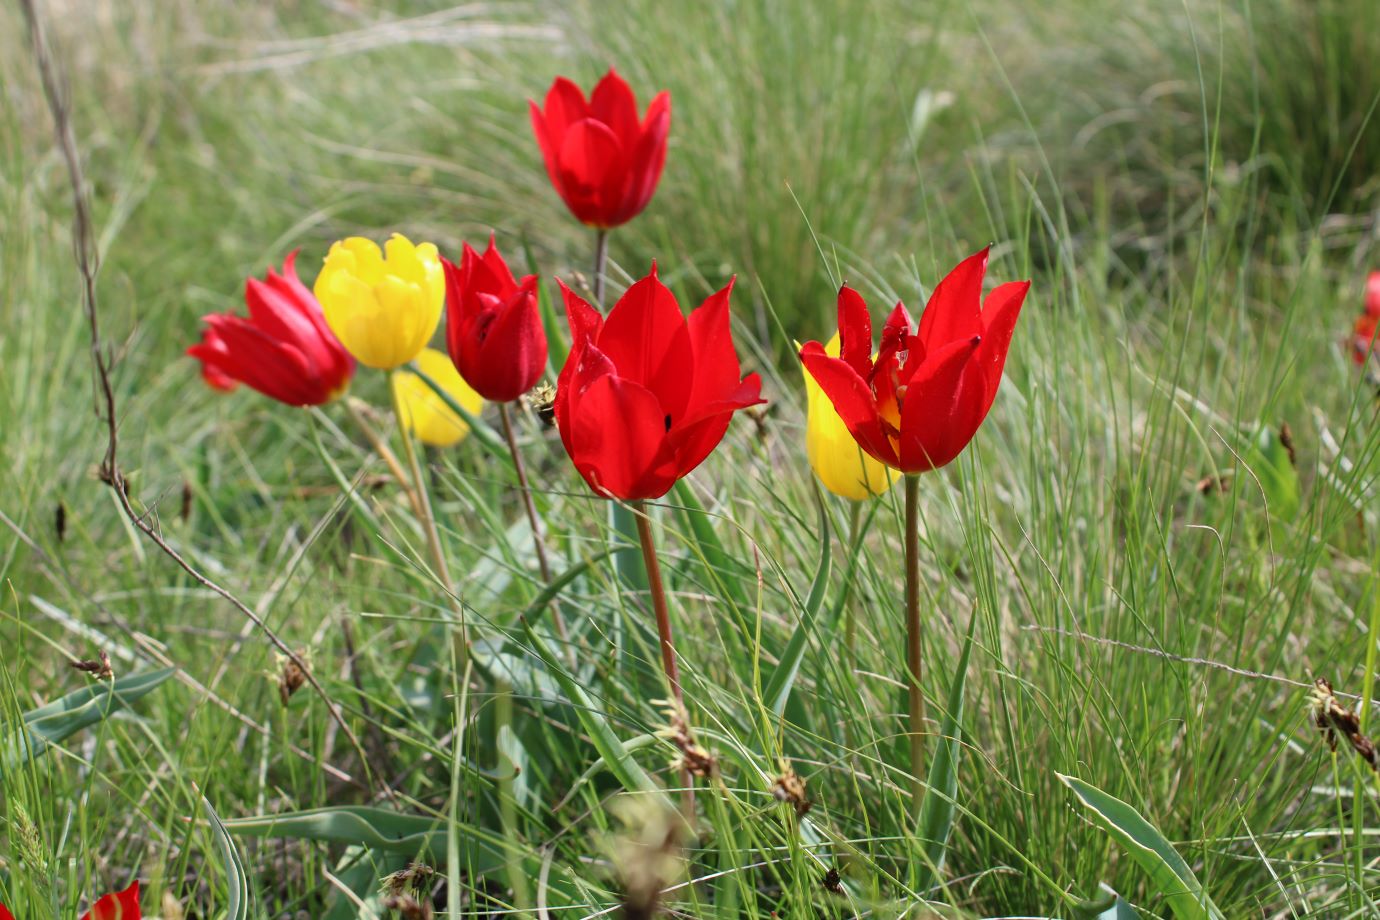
x: 918, y: 404
x: 493, y: 328
x: 283, y: 349
x: 603, y: 160
x: 645, y: 395
x: 123, y: 905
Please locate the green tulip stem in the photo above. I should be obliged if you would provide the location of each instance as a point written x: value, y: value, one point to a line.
x: 913, y: 650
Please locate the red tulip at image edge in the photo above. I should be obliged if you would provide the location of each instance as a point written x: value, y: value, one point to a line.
x: 493, y: 328
x: 121, y: 906
x: 283, y: 349
x: 603, y: 160
x: 646, y: 395
x: 920, y: 401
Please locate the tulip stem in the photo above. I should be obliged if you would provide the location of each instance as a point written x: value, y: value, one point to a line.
x: 668, y: 645
x: 422, y: 505
x: 529, y: 502
x: 913, y: 650
x: 601, y: 257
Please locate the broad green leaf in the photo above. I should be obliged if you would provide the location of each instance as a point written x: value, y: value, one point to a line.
x: 1273, y: 464
x: 937, y: 811
x: 236, y: 880
x: 360, y: 871
x: 1147, y: 846
x: 56, y: 721
x: 379, y: 828
x: 778, y: 688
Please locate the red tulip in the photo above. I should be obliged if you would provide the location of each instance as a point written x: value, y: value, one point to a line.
x: 645, y: 395
x: 121, y: 906
x: 5, y: 913
x: 493, y: 329
x: 918, y: 404
x: 283, y: 349
x: 603, y: 161
x: 1373, y: 294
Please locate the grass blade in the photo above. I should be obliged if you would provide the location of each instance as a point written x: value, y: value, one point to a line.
x: 778, y: 689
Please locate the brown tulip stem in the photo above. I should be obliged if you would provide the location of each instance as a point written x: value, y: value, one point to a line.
x: 601, y: 257
x: 668, y: 644
x: 428, y: 522
x: 529, y: 502
x: 913, y: 651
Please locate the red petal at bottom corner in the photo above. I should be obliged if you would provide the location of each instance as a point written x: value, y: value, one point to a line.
x: 123, y: 905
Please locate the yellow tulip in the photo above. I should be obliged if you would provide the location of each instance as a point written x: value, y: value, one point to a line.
x: 841, y: 465
x: 384, y: 306
x: 423, y: 412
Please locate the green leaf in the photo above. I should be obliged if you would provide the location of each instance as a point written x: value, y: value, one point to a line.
x: 1152, y: 852
x: 941, y: 797
x: 1272, y: 461
x: 778, y: 689
x: 378, y: 828
x: 236, y: 880
x: 56, y: 721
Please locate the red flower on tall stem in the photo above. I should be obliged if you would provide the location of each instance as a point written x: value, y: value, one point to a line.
x: 493, y: 327
x: 646, y: 395
x: 603, y: 160
x: 283, y: 348
x: 918, y: 404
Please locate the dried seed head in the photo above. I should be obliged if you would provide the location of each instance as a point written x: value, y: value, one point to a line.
x: 1286, y: 440
x: 832, y: 883
x: 99, y: 669
x: 172, y: 909
x: 790, y: 788
x: 1333, y: 720
x: 412, y: 879
x: 409, y: 908
x: 692, y: 758
x: 291, y: 677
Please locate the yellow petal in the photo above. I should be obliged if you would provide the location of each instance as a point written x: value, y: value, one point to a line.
x: 426, y: 414
x: 841, y: 465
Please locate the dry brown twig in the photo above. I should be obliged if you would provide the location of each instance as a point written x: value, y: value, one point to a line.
x: 88, y: 263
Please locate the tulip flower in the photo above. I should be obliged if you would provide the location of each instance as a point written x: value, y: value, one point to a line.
x: 493, y: 329
x: 383, y: 305
x: 1363, y: 338
x: 423, y: 412
x: 840, y: 464
x: 918, y: 404
x: 283, y: 348
x: 645, y: 395
x: 123, y: 905
x: 603, y: 160
x: 1373, y: 295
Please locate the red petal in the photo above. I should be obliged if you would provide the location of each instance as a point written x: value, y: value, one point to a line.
x: 5, y: 913
x: 274, y: 368
x: 647, y: 160
x: 999, y: 314
x: 698, y: 435
x: 852, y: 400
x: 938, y: 417
x: 512, y: 356
x: 549, y: 149
x: 953, y: 309
x: 590, y: 170
x: 565, y: 105
x: 613, y: 103
x: 855, y: 332
x: 585, y: 321
x: 618, y: 441
x: 647, y: 339
x: 121, y: 906
x: 716, y: 366
x: 1373, y: 294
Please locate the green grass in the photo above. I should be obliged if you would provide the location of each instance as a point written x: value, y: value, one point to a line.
x: 1196, y: 217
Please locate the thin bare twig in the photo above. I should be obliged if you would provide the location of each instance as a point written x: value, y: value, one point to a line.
x: 88, y: 264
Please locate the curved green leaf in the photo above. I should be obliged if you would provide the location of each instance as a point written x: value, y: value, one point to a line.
x: 1147, y: 846
x: 937, y: 811
x: 236, y: 879
x: 56, y: 721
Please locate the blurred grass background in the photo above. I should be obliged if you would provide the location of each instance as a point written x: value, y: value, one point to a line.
x: 1193, y: 186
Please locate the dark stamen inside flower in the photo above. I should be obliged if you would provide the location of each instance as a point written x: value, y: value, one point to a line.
x: 976, y: 340
x: 668, y: 423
